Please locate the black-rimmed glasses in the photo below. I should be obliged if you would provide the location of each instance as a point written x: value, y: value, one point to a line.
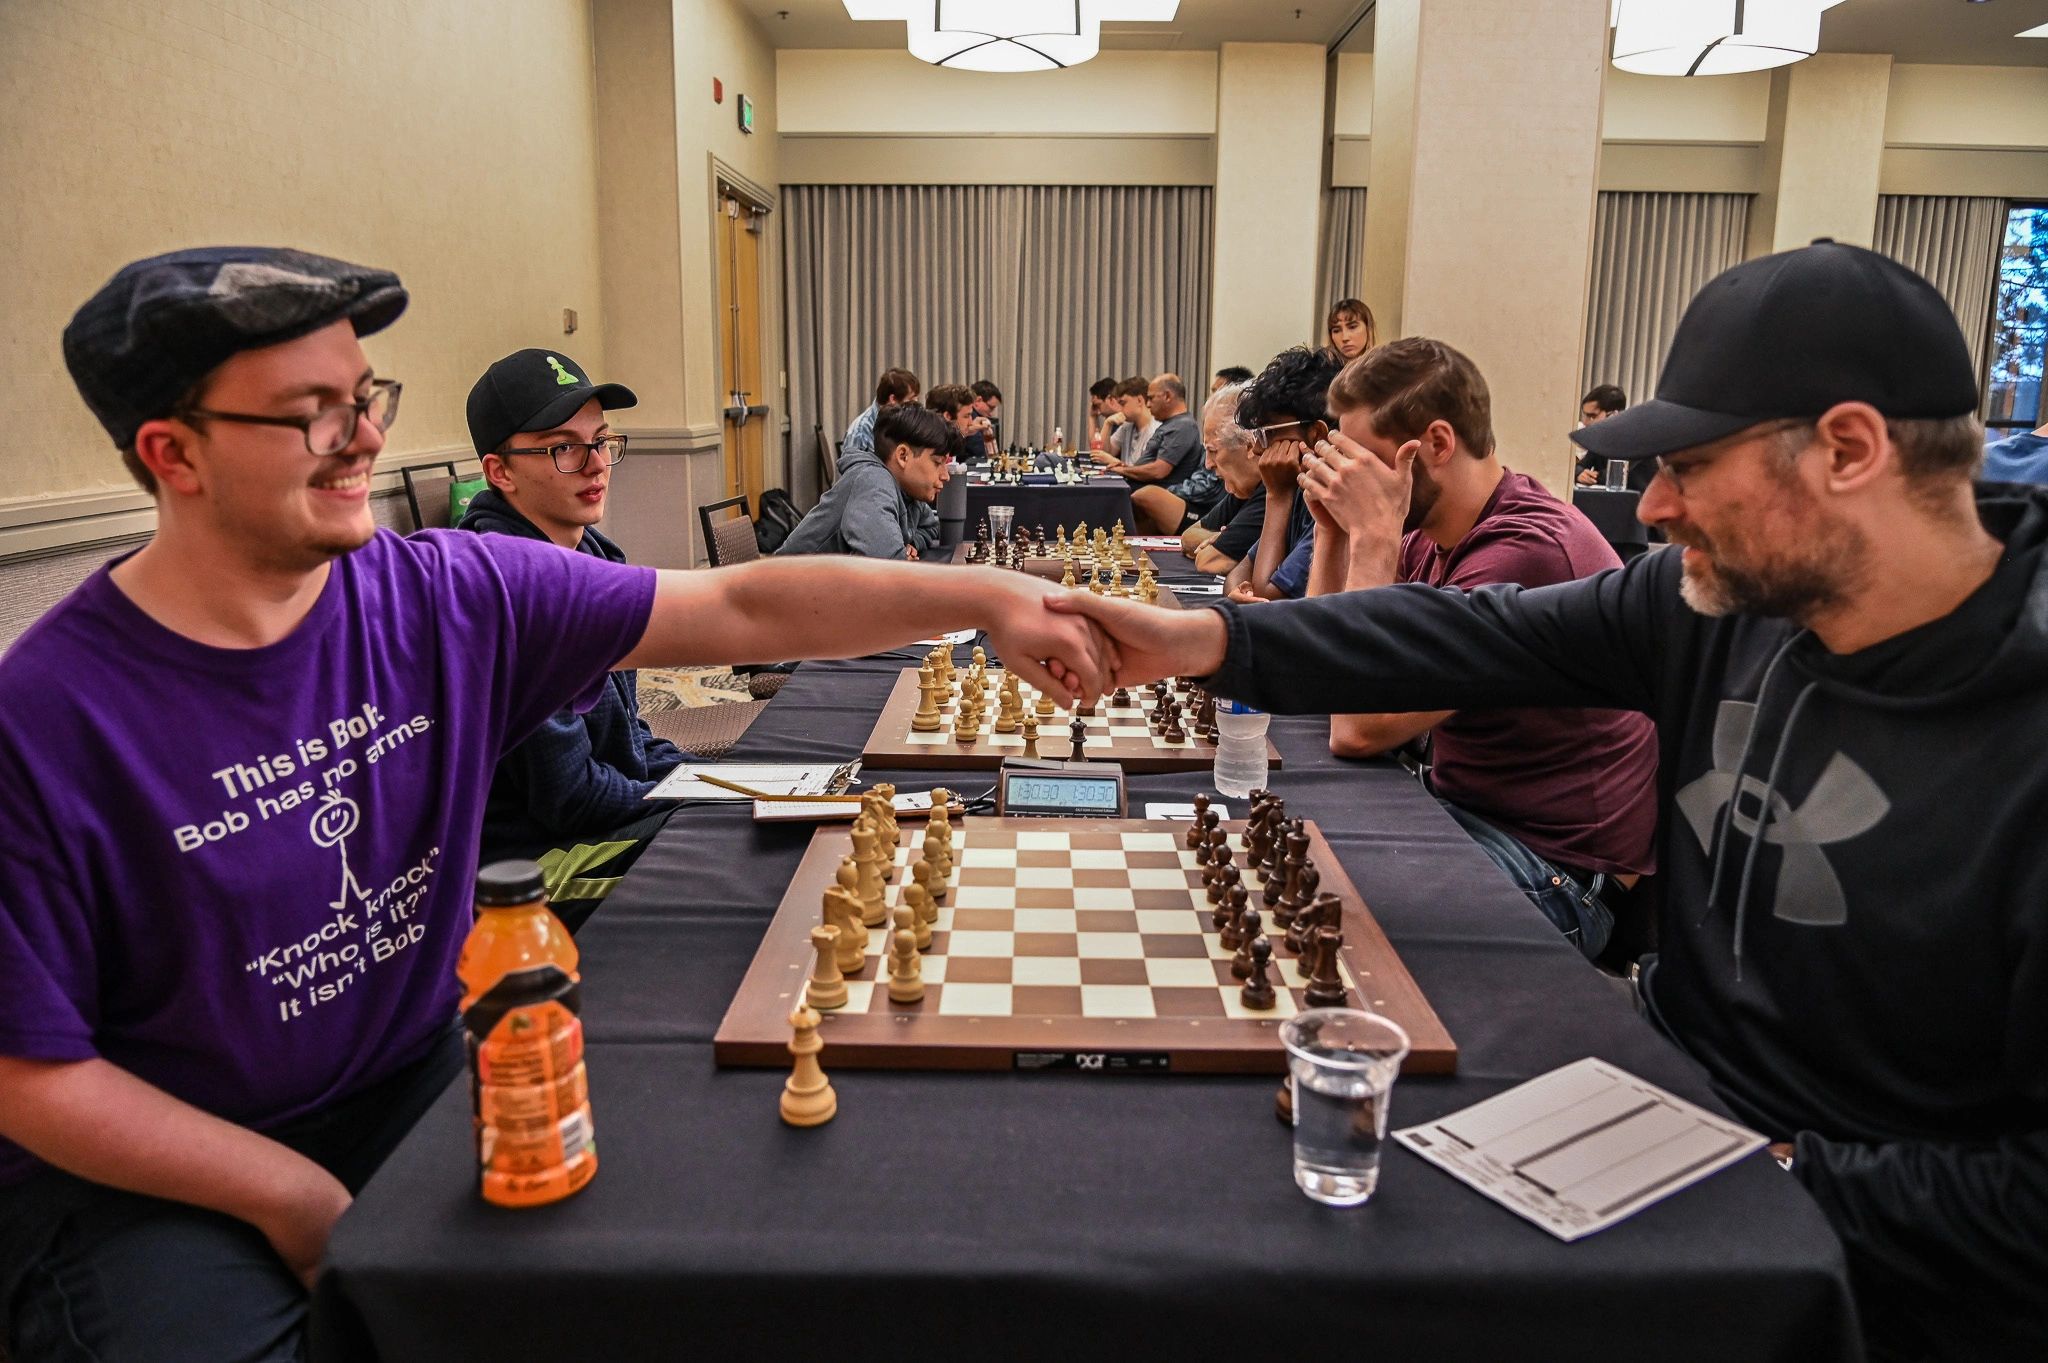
x: 573, y: 456
x: 330, y: 430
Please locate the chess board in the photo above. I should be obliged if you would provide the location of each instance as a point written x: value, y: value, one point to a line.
x: 1116, y: 733
x: 1064, y: 944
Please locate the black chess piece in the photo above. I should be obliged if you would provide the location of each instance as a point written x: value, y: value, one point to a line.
x: 1249, y: 932
x: 1325, y: 985
x: 1197, y: 830
x: 1121, y: 697
x: 1227, y: 878
x: 1328, y: 911
x: 1077, y: 739
x: 1231, y: 934
x: 1258, y: 992
x: 1236, y: 902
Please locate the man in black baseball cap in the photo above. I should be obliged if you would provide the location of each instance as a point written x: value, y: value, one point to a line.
x: 242, y: 775
x: 573, y: 795
x: 1847, y: 661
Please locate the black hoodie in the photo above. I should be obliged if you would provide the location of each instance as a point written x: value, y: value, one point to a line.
x: 577, y: 776
x: 1870, y: 976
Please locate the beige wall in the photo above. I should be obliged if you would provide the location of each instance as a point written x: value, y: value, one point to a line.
x: 889, y: 91
x: 1967, y: 106
x: 1269, y: 170
x: 459, y: 153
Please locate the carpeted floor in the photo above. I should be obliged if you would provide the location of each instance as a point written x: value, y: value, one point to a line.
x: 675, y: 688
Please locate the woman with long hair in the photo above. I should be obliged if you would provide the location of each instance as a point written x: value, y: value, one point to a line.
x: 1350, y: 329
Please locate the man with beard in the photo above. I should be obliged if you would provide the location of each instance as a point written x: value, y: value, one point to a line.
x: 1562, y: 800
x: 1847, y: 663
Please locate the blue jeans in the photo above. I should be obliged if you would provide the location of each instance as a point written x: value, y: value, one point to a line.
x: 1569, y: 899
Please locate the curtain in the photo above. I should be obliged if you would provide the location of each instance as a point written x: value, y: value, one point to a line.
x: 1341, y: 271
x: 1041, y: 289
x: 1955, y: 243
x: 1651, y: 254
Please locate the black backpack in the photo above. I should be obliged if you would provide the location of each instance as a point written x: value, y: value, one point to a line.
x: 777, y: 521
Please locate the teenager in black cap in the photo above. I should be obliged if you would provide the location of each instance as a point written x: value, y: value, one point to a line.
x: 573, y: 795
x: 1846, y: 656
x: 241, y: 775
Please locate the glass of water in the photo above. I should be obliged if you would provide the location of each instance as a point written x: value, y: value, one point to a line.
x: 1000, y: 519
x: 1343, y: 1064
x: 1617, y: 474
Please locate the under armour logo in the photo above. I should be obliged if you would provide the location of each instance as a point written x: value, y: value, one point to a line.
x: 1844, y: 803
x: 562, y: 376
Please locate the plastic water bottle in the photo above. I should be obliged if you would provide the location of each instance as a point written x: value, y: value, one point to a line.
x: 1240, y: 748
x: 1059, y: 441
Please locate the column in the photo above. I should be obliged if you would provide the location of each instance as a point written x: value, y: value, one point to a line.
x: 1822, y: 151
x: 1479, y: 230
x: 1269, y: 183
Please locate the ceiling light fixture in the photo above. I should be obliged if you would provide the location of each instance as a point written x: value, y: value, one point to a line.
x: 1714, y: 37
x: 1009, y: 35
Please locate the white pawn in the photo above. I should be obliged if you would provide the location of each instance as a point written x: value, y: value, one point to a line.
x: 906, y: 970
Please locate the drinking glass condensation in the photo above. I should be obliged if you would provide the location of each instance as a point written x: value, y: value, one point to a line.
x: 1240, y: 749
x: 1617, y: 474
x: 1343, y: 1063
x: 1000, y: 519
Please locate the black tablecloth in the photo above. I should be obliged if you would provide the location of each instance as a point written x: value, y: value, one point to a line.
x: 1098, y: 502
x: 1613, y: 513
x: 1003, y: 1215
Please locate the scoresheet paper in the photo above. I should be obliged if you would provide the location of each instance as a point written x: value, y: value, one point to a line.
x: 1580, y: 1148
x: 782, y: 779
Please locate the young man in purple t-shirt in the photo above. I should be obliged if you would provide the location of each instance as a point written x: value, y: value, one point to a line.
x: 1562, y: 800
x: 241, y: 774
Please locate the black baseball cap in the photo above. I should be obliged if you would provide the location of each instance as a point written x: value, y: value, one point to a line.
x: 1790, y: 335
x: 163, y: 323
x: 534, y: 390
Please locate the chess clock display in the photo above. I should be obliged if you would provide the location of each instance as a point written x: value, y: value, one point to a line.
x: 1061, y: 789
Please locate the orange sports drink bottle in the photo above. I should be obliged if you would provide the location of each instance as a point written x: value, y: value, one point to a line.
x: 528, y: 1086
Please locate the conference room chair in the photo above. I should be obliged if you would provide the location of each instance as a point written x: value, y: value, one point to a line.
x: 426, y: 493
x: 729, y: 539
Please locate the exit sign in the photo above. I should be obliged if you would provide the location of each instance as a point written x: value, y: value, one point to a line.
x: 746, y: 114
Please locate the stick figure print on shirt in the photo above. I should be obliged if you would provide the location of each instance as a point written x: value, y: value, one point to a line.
x: 336, y: 818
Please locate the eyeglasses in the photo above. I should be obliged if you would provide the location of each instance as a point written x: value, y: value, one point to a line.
x: 330, y: 430
x: 573, y: 456
x: 1261, y: 437
x: 1676, y: 468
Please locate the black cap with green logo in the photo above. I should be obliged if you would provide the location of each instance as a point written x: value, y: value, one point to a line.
x: 534, y: 390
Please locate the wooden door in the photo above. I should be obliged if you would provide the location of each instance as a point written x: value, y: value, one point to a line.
x: 748, y: 415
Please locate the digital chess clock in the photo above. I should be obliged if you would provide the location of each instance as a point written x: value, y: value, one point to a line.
x: 1089, y: 790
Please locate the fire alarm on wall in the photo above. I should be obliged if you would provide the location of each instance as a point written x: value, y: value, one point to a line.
x: 717, y: 90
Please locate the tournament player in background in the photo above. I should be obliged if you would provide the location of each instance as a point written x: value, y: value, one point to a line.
x: 896, y: 386
x: 1285, y: 411
x: 1102, y: 412
x: 1223, y: 540
x: 986, y: 403
x: 1173, y: 487
x: 1350, y: 329
x: 1129, y: 442
x: 242, y: 770
x: 1563, y: 801
x: 1846, y: 658
x: 572, y: 796
x: 870, y: 510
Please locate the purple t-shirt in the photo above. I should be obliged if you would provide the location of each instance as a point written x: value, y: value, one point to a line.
x: 244, y: 875
x: 1576, y: 786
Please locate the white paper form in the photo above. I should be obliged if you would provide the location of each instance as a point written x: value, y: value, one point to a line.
x: 1580, y: 1148
x: 775, y: 779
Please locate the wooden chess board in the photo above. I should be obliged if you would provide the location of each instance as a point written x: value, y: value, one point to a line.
x: 1063, y: 944
x: 1116, y: 733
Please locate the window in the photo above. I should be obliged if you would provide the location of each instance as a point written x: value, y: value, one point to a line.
x: 2019, y: 322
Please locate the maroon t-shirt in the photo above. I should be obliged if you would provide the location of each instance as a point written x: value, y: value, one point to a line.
x: 1576, y: 786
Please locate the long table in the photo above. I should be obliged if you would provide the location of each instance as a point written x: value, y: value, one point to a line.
x: 995, y: 1216
x: 1099, y: 501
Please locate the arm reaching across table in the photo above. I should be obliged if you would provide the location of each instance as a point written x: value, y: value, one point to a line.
x: 1591, y: 642
x: 836, y: 607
